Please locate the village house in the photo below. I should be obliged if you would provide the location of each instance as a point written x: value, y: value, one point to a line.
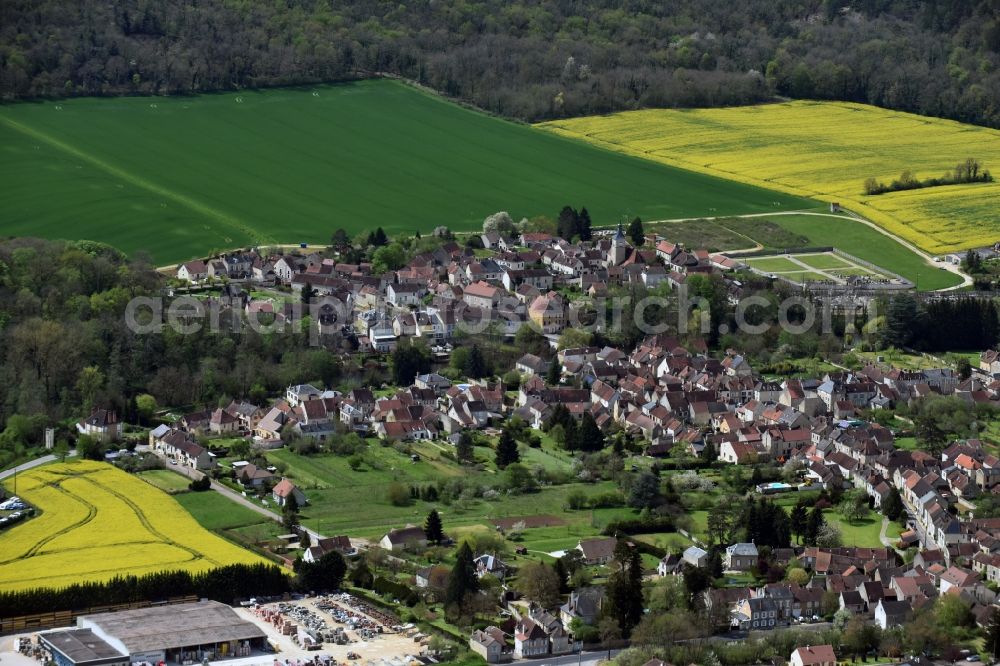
x: 482, y: 295
x: 489, y: 564
x: 404, y: 538
x: 181, y: 447
x: 267, y: 433
x: 102, y: 424
x: 251, y: 476
x: 529, y: 364
x: 222, y: 422
x: 597, y: 551
x: 530, y: 640
x: 669, y: 564
x: 583, y: 606
x: 813, y: 655
x: 247, y: 414
x: 404, y: 295
x: 284, y: 490
x: 300, y: 393
x: 548, y: 312
x: 891, y: 613
x: 193, y: 271
x: 740, y: 557
x: 490, y: 644
x: 757, y: 613
x: 340, y: 544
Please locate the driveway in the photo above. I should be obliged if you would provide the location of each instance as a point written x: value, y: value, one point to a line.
x: 886, y: 541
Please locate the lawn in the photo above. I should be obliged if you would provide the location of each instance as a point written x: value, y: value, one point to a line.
x: 167, y: 481
x: 851, y: 272
x: 699, y: 524
x: 773, y: 264
x: 669, y: 541
x: 823, y: 261
x: 181, y: 176
x: 803, y: 276
x: 824, y: 150
x: 863, y: 533
x: 98, y: 522
x: 216, y: 512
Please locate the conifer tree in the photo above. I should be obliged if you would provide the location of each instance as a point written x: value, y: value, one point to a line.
x: 464, y: 450
x: 623, y: 594
x: 554, y: 375
x: 583, y: 225
x: 589, y: 437
x: 507, y: 452
x: 433, y: 529
x: 636, y: 232
x: 463, y: 580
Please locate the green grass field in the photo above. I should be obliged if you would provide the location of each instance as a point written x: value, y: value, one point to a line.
x: 864, y: 533
x: 180, y: 176
x: 216, y: 512
x: 774, y: 264
x: 165, y: 480
x: 815, y: 267
x: 824, y: 261
x: 334, y: 490
x: 866, y: 243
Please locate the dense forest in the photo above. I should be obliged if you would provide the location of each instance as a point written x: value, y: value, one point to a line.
x: 67, y: 347
x: 528, y: 59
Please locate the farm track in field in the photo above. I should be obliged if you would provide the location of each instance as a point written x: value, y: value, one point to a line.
x: 183, y: 177
x: 151, y: 187
x: 103, y: 539
x: 195, y: 555
x: 159, y: 537
x: 91, y: 514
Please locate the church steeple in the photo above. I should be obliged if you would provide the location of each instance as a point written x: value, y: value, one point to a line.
x: 619, y: 248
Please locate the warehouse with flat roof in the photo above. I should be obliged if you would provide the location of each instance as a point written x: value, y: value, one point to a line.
x: 81, y: 647
x: 173, y: 634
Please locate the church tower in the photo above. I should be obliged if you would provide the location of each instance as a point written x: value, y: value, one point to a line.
x: 619, y: 247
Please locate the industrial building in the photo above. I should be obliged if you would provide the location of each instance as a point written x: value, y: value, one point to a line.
x: 81, y: 647
x: 173, y: 634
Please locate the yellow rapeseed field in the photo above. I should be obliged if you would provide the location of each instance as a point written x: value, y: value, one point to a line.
x: 97, y: 521
x: 824, y: 150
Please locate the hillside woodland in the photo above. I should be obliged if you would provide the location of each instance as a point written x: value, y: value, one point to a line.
x: 527, y: 59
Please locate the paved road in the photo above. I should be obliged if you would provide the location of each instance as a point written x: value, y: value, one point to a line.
x: 587, y: 659
x: 31, y: 464
x: 912, y: 520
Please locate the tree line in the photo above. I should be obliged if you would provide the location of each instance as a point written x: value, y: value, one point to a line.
x: 528, y: 59
x: 969, y: 171
x: 226, y: 584
x: 940, y: 325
